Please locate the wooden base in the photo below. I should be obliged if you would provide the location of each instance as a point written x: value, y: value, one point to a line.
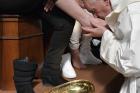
x: 19, y: 38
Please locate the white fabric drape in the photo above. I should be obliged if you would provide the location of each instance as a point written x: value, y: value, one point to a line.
x: 121, y: 48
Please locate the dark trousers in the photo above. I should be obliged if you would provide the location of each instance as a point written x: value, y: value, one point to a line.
x: 62, y: 26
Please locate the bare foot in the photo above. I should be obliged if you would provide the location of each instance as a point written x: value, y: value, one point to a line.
x: 75, y: 58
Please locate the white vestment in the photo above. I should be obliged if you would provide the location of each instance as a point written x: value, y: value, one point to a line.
x: 121, y: 48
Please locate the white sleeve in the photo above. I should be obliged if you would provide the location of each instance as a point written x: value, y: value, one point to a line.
x: 123, y: 56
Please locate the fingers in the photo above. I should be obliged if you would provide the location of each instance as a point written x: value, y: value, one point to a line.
x: 95, y: 32
x: 88, y: 29
x: 96, y: 22
x: 46, y: 9
x: 88, y: 35
x: 49, y: 5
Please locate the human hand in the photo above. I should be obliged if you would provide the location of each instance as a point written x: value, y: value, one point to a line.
x: 85, y: 21
x: 96, y: 28
x: 49, y: 5
x: 94, y: 32
x: 94, y: 22
x: 97, y: 22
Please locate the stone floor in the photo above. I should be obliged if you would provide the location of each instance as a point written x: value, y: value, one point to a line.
x: 105, y: 79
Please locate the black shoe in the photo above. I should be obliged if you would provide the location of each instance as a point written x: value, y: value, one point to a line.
x: 52, y: 74
x: 26, y: 88
x: 54, y: 80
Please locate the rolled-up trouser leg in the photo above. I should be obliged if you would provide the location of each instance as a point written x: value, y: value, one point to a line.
x: 24, y: 73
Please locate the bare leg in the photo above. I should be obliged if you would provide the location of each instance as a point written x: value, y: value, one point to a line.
x: 75, y: 58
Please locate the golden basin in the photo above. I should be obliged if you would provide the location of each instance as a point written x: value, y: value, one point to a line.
x: 76, y: 86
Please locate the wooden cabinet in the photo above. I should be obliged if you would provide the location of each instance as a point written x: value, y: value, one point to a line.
x: 19, y: 37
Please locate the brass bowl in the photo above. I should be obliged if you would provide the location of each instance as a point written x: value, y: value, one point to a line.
x: 76, y: 86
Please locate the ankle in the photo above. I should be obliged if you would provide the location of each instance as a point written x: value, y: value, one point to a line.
x: 75, y: 51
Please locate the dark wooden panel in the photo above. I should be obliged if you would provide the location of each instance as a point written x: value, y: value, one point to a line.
x: 19, y: 38
x: 0, y: 51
